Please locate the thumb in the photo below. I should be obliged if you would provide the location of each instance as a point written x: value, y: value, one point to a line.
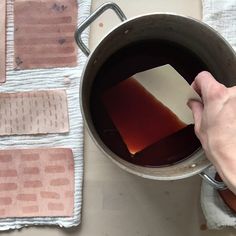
x: 197, y: 109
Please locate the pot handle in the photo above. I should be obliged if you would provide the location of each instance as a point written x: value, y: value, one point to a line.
x: 91, y: 18
x: 211, y: 181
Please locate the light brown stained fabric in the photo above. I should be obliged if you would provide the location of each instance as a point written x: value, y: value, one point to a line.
x: 44, y: 33
x: 35, y: 112
x: 2, y: 41
x: 36, y: 182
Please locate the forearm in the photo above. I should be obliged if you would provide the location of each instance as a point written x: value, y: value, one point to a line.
x: 215, y: 125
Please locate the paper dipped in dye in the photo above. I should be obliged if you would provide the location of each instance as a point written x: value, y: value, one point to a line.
x: 149, y: 106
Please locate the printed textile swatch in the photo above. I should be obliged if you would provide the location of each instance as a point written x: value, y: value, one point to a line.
x: 36, y: 182
x: 3, y: 41
x: 36, y: 112
x: 44, y: 33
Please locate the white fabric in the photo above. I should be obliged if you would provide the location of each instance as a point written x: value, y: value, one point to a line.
x: 221, y: 15
x: 26, y: 80
x: 216, y: 212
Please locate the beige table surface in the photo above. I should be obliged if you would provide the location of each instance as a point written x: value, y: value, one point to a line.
x: 120, y: 204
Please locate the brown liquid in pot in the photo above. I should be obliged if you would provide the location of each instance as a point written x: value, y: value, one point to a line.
x: 123, y: 64
x: 138, y: 116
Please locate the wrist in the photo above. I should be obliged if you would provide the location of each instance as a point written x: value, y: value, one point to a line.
x: 225, y: 163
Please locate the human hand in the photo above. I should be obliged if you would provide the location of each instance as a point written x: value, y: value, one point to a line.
x: 215, y: 125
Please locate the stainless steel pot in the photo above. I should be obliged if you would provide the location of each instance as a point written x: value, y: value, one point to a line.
x: 205, y: 42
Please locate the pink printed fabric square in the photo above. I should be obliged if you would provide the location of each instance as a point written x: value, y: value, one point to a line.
x: 36, y: 182
x: 34, y: 112
x: 44, y: 33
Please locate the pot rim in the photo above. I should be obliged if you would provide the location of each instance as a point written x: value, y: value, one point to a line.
x: 104, y: 148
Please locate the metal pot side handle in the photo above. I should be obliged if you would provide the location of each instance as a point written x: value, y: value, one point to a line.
x: 211, y: 181
x: 93, y: 17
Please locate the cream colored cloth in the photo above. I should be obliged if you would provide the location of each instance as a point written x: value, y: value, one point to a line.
x: 221, y: 15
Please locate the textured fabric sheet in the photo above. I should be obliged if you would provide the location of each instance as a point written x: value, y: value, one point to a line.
x: 221, y: 15
x: 3, y: 40
x: 35, y: 112
x: 36, y: 182
x: 43, y: 79
x: 44, y: 33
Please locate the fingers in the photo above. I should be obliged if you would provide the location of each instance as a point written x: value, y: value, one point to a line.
x: 197, y: 109
x: 202, y: 83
